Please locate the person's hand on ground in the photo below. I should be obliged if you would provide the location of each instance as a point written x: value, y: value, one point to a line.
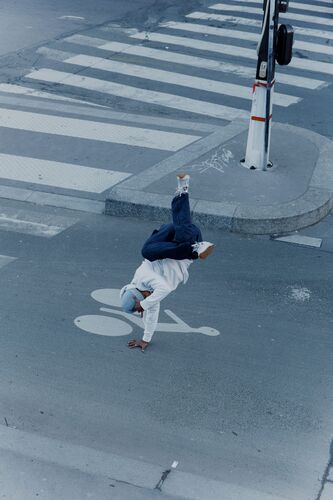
x: 138, y: 343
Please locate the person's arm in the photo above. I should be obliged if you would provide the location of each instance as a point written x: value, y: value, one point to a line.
x: 150, y: 319
x: 161, y: 290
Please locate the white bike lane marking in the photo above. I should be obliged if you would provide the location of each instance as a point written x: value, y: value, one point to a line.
x: 116, y: 324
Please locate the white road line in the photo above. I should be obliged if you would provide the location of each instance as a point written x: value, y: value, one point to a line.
x: 5, y: 259
x: 242, y: 35
x: 244, y: 21
x: 189, y: 81
x: 288, y: 15
x: 299, y: 6
x: 299, y: 239
x: 9, y: 88
x: 86, y: 40
x: 297, y: 62
x: 29, y: 227
x: 197, y: 62
x: 142, y: 95
x: 56, y: 174
x: 97, y: 131
x: 72, y: 17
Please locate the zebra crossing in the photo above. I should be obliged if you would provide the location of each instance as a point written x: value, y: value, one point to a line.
x: 200, y: 67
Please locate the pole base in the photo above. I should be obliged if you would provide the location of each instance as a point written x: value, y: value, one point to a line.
x: 253, y: 167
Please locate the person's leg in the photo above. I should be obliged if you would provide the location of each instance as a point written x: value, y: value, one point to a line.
x: 185, y: 230
x: 179, y: 240
x: 168, y: 250
x: 161, y: 245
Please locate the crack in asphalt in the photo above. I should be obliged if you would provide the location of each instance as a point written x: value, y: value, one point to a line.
x: 325, y: 479
x: 163, y: 478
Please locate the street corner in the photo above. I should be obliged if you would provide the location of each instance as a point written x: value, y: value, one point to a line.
x: 297, y: 191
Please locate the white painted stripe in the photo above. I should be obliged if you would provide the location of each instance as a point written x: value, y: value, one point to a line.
x: 56, y: 174
x: 288, y: 15
x: 9, y: 88
x: 34, y: 222
x: 143, y: 95
x: 97, y: 131
x: 244, y: 21
x: 242, y: 35
x: 194, y: 43
x: 198, y: 62
x: 299, y: 6
x: 28, y: 227
x: 5, y: 259
x: 53, y: 200
x: 159, y: 75
x: 222, y: 48
x: 72, y: 17
x: 85, y: 40
x: 299, y: 239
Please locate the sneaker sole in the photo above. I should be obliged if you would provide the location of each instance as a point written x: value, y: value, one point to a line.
x: 206, y: 252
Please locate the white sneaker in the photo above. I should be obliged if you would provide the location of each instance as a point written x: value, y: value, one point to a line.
x: 183, y: 183
x: 203, y: 249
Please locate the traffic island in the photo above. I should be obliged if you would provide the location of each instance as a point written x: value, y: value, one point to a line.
x: 296, y: 192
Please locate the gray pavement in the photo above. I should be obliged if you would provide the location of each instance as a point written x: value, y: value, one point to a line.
x: 246, y: 413
x: 232, y: 400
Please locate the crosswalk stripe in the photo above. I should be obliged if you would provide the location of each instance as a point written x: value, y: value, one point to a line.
x: 34, y: 228
x: 242, y: 35
x: 245, y: 21
x: 6, y: 259
x: 40, y: 223
x: 90, y: 41
x: 10, y: 88
x: 149, y: 96
x: 300, y: 6
x: 174, y: 78
x: 297, y: 62
x: 288, y: 15
x: 194, y: 61
x: 97, y: 131
x: 56, y: 174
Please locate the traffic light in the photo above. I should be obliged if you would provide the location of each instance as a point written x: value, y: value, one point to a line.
x: 284, y: 44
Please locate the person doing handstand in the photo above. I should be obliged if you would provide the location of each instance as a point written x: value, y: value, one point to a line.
x: 168, y: 254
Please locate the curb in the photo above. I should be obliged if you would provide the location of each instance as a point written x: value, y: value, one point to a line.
x: 125, y: 200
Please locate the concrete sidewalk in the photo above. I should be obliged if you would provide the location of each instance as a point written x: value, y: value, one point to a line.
x: 296, y: 192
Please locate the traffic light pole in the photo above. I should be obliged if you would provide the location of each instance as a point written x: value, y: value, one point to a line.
x: 272, y: 27
x: 258, y: 144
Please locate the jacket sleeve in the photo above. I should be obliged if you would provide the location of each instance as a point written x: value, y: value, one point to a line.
x: 161, y: 290
x: 150, y: 319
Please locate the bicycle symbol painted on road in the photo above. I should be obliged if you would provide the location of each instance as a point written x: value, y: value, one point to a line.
x: 119, y: 323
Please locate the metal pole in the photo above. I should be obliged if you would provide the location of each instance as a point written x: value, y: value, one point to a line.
x: 273, y: 12
x: 258, y: 142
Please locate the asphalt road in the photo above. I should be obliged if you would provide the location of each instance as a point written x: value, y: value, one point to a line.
x: 250, y: 407
x: 25, y: 23
x: 242, y: 415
